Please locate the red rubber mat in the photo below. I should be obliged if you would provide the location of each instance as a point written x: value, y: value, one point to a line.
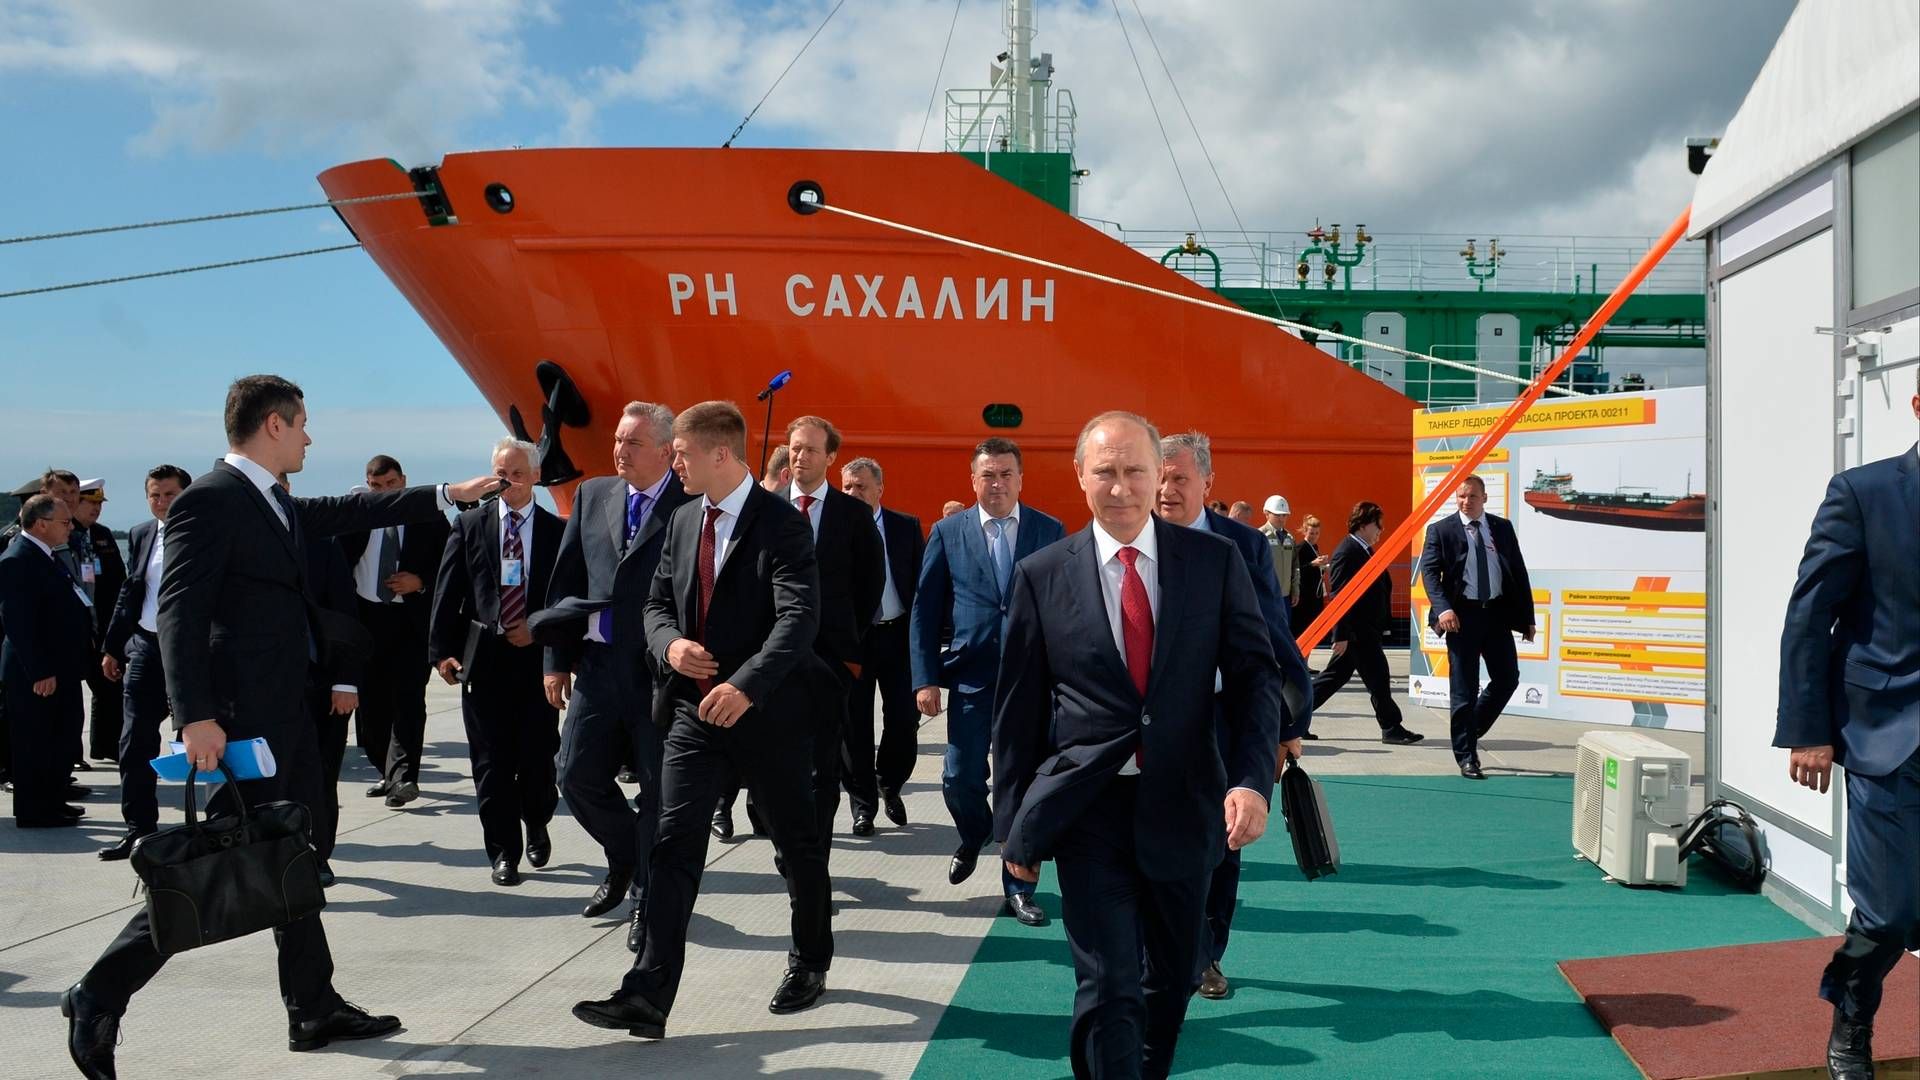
x: 1738, y: 1011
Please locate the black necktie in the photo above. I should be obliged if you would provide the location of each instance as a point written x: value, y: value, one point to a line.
x: 1479, y: 560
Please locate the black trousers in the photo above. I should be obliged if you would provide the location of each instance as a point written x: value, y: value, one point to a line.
x: 143, y: 694
x: 889, y: 675
x: 1883, y: 879
x: 1473, y: 710
x: 306, y: 963
x: 831, y: 686
x: 1364, y: 656
x: 391, y: 723
x: 44, y: 731
x: 330, y: 728
x: 513, y: 736
x: 770, y: 756
x: 104, y: 716
x: 1136, y: 944
x: 608, y: 723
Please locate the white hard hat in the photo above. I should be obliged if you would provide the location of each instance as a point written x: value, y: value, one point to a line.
x: 1277, y: 504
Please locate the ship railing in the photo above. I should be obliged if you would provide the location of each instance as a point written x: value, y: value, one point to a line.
x: 1417, y: 262
x: 980, y: 121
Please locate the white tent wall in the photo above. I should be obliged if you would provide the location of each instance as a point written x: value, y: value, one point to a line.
x: 1813, y: 305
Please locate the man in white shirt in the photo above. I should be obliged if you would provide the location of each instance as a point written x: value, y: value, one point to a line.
x: 888, y: 671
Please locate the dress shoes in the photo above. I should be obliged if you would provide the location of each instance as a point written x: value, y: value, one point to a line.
x: 1026, y: 910
x: 634, y: 1015
x: 124, y: 849
x: 798, y: 990
x: 325, y: 874
x: 346, y: 1021
x: 1471, y: 770
x: 1309, y: 736
x: 402, y: 793
x: 1400, y: 736
x: 76, y: 792
x: 539, y: 847
x: 722, y: 824
x: 91, y: 1034
x: 1850, y: 1049
x: 1213, y: 982
x: 504, y: 872
x: 863, y: 824
x: 626, y: 776
x: 636, y: 929
x: 895, y: 806
x: 961, y: 867
x: 378, y: 790
x: 609, y: 895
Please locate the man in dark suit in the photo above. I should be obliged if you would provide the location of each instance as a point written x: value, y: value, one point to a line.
x: 1356, y: 637
x: 889, y: 670
x: 338, y: 676
x: 1850, y: 695
x: 1186, y: 478
x: 45, y: 659
x: 239, y: 637
x: 732, y: 617
x: 393, y: 573
x: 497, y: 568
x: 852, y: 571
x: 599, y: 671
x: 1106, y: 745
x: 1477, y: 581
x: 102, y: 572
x: 131, y: 657
x: 959, y: 611
x: 64, y: 486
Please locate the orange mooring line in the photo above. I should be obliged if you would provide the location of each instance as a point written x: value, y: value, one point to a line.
x: 1388, y: 550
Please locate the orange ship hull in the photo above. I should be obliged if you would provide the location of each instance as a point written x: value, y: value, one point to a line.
x: 677, y: 276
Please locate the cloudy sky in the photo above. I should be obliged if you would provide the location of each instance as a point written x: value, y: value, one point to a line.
x: 1499, y: 117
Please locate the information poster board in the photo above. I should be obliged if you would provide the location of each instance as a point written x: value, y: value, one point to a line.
x: 1607, y: 495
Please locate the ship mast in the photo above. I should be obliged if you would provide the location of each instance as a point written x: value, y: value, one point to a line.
x: 1027, y: 78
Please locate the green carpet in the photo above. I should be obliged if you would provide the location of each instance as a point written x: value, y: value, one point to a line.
x: 1430, y: 954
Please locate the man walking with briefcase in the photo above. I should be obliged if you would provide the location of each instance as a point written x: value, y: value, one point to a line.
x: 238, y: 640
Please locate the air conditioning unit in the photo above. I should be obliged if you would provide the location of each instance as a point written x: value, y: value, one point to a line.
x: 1629, y: 806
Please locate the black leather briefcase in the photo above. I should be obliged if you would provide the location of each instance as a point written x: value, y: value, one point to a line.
x: 1308, y: 821
x: 228, y: 876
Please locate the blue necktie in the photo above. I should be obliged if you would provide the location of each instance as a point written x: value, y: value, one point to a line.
x: 636, y: 513
x: 1002, y: 554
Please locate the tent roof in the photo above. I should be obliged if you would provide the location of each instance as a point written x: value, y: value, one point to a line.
x: 1840, y: 70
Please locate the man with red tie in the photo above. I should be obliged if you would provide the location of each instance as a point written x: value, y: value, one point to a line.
x: 1105, y: 755
x: 731, y: 618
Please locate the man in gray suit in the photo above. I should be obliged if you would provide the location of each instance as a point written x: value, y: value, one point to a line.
x: 600, y: 672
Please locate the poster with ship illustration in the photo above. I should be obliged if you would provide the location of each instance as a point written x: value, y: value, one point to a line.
x: 1607, y: 495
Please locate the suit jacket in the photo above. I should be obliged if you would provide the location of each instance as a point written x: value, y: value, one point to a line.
x: 124, y: 618
x: 468, y: 587
x: 113, y: 574
x: 49, y: 631
x: 1067, y: 716
x: 1850, y: 652
x: 595, y: 569
x: 347, y: 647
x: 420, y: 550
x: 906, y: 546
x: 237, y: 619
x: 762, y: 617
x: 958, y: 588
x: 1443, y: 569
x: 1370, y: 616
x: 1296, y: 687
x: 852, y: 576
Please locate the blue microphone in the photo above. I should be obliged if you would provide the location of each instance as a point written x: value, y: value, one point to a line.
x: 776, y: 383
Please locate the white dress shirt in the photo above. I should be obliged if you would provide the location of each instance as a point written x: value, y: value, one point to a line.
x: 1013, y: 529
x: 1493, y: 560
x: 813, y: 512
x: 730, y: 507
x: 890, y: 606
x: 266, y: 482
x: 366, y: 572
x: 156, y: 563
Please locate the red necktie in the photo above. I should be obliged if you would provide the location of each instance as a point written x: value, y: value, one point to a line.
x: 806, y: 505
x: 1136, y: 624
x: 706, y: 581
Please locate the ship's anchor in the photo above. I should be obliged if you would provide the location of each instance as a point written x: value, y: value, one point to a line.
x: 564, y: 408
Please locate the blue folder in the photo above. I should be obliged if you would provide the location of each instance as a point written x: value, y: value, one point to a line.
x: 250, y: 759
